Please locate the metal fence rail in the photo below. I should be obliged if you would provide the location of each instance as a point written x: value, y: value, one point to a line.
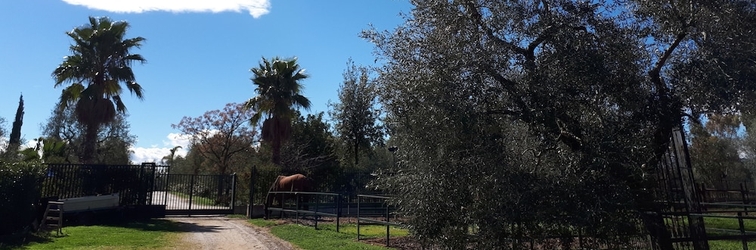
x: 386, y: 209
x: 329, y: 208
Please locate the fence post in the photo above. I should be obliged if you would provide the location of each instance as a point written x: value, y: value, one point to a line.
x: 250, y: 208
x: 338, y: 211
x: 387, y: 222
x: 233, y: 193
x: 317, y: 203
x: 743, y: 198
x: 743, y: 237
x: 296, y: 209
x: 358, y: 217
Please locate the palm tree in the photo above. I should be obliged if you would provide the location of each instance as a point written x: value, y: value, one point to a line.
x: 171, y: 156
x: 99, y: 63
x: 278, y: 93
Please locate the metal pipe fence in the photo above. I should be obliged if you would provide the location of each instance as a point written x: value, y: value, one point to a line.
x: 330, y: 207
x: 385, y: 209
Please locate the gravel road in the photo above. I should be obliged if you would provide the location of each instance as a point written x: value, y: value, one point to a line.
x: 210, y: 232
x: 173, y: 202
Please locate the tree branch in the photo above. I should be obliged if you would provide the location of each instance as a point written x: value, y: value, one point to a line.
x: 509, y: 86
x: 478, y: 19
x: 655, y: 73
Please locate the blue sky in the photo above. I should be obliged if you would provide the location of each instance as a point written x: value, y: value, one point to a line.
x: 198, y: 53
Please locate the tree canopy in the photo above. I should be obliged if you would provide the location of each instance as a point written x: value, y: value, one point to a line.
x: 218, y: 135
x: 536, y: 108
x: 356, y: 114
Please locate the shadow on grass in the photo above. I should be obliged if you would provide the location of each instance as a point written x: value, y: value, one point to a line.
x: 152, y: 225
x: 164, y: 225
x: 18, y: 241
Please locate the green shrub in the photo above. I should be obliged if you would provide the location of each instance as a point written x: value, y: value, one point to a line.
x: 20, y: 184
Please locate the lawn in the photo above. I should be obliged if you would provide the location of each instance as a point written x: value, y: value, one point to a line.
x: 152, y: 234
x: 731, y: 224
x: 326, y: 237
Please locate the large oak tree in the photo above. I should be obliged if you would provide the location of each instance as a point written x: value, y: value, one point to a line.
x: 536, y: 108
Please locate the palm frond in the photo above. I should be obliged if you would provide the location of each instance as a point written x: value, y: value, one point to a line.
x: 301, y: 101
x: 120, y: 107
x: 70, y: 95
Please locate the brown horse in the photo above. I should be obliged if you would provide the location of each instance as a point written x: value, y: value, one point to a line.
x: 292, y: 183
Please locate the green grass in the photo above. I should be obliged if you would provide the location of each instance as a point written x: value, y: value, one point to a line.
x: 729, y: 223
x: 366, y: 231
x: 729, y: 244
x: 263, y: 223
x: 732, y: 224
x: 199, y: 200
x: 308, y: 238
x: 138, y: 235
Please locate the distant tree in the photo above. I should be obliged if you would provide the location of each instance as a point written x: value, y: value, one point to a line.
x: 278, y: 91
x: 714, y: 152
x: 53, y: 150
x: 3, y: 132
x: 101, y: 60
x: 311, y: 150
x: 355, y: 114
x: 15, y: 137
x: 218, y: 135
x: 172, y: 156
x: 65, y: 131
x: 114, y: 142
x: 3, y: 139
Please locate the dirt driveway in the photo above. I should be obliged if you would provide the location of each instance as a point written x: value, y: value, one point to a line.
x: 214, y: 232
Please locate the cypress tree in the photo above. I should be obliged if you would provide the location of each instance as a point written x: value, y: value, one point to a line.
x: 15, y: 136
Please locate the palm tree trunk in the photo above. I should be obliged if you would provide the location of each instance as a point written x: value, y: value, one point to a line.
x: 90, y: 143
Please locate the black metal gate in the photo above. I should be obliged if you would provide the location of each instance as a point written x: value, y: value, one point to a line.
x: 677, y: 196
x: 188, y: 194
x: 133, y: 183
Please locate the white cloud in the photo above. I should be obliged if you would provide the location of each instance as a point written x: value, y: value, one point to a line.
x: 156, y: 154
x: 256, y: 8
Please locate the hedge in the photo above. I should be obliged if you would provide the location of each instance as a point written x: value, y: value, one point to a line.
x: 20, y: 184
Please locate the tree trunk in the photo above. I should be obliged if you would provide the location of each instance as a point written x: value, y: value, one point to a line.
x: 277, y: 151
x: 90, y: 143
x: 356, y: 153
x: 220, y: 197
x: 654, y: 223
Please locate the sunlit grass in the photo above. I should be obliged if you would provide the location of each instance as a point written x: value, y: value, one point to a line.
x: 326, y: 237
x: 153, y: 234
